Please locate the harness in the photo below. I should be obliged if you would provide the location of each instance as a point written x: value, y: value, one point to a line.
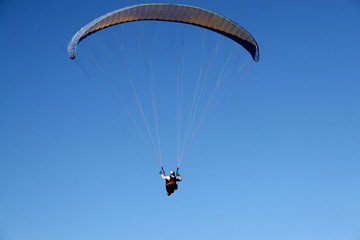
x: 171, y: 181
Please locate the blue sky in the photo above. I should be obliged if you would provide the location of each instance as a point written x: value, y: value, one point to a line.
x: 280, y: 160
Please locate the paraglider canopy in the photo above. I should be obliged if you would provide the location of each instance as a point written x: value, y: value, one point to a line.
x: 173, y: 13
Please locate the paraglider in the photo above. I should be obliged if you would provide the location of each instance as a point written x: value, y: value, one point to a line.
x: 218, y: 69
x: 170, y: 181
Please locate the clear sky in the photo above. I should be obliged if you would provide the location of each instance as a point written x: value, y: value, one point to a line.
x: 280, y: 160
